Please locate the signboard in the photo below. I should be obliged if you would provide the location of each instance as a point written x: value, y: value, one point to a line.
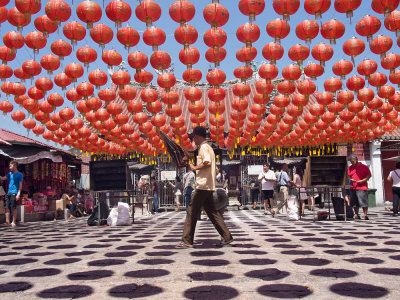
x: 254, y: 170
x: 30, y: 209
x: 168, y: 175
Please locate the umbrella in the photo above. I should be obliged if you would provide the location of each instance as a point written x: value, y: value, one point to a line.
x: 177, y: 152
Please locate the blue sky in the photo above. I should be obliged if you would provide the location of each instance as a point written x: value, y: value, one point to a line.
x: 173, y: 48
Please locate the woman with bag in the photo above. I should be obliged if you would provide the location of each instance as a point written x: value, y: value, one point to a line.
x: 394, y: 179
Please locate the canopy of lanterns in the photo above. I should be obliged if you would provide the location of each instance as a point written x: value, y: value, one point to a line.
x: 350, y: 108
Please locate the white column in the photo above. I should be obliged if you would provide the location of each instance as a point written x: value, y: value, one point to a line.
x: 376, y: 170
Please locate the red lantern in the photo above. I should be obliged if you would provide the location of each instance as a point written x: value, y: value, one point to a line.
x: 86, y: 55
x: 391, y: 62
x: 196, y: 107
x: 128, y: 93
x: 186, y: 34
x: 13, y: 40
x: 114, y: 108
x: 18, y: 89
x: 148, y: 11
x: 189, y: 56
x: 154, y: 37
x: 298, y: 53
x: 55, y: 100
x: 149, y: 95
x: 215, y: 37
x: 5, y: 72
x: 306, y: 87
x: 377, y: 79
x: 6, y: 54
x: 243, y: 73
x: 45, y: 25
x: 6, y: 107
x: 216, y: 15
x: 58, y: 11
x: 94, y: 103
x: 368, y: 26
x: 392, y: 21
x: 355, y: 83
x: 386, y: 91
x: 67, y: 114
x: 62, y: 80
x: 342, y: 68
x: 375, y: 103
x: 192, y: 76
x: 74, y: 71
x: 244, y: 55
x: 35, y: 93
x: 273, y: 52
x: 74, y: 31
x: 332, y: 30
x: 353, y: 47
x: 138, y: 60
x: 154, y: 107
x: 322, y: 52
x: 333, y: 84
x: 36, y: 41
x: 248, y: 33
x: 268, y: 72
x: 384, y: 6
x: 365, y: 95
x: 216, y: 77
x: 18, y: 116
x: 345, y: 97
x: 160, y: 60
x: 380, y: 45
x: 50, y: 63
x: 101, y: 34
x: 395, y: 77
x: 216, y: 94
x: 356, y: 106
x: 241, y: 90
x: 278, y: 29
x: 29, y: 123
x: 61, y: 48
x: 18, y: 19
x: 174, y: 111
x: 121, y: 78
x: 347, y: 7
x: 135, y: 107
x: 128, y: 37
x: 313, y: 71
x: 118, y: 12
x: 281, y: 100
x: 182, y: 11
x: 286, y: 7
x: 367, y: 67
x: 192, y: 94
x: 44, y: 84
x: 219, y: 108
x: 324, y: 98
x: 98, y: 78
x: 28, y: 7
x: 251, y: 8
x: 20, y: 74
x: 166, y: 81
x: 307, y: 30
x: 299, y: 100
x: 89, y: 12
x: 263, y: 87
x: 85, y: 90
x: 317, y: 7
x: 31, y: 68
x: 143, y: 77
x: 107, y: 95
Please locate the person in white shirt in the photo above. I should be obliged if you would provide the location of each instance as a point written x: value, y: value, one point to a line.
x: 268, y: 180
x: 394, y: 178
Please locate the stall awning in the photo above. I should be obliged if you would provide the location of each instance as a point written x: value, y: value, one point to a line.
x: 231, y: 162
x: 136, y: 166
x: 27, y: 155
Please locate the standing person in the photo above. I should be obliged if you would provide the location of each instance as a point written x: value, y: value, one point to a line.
x: 283, y: 182
x: 358, y: 175
x: 203, y: 194
x: 254, y: 191
x: 298, y: 183
x: 89, y: 200
x: 154, y: 190
x: 177, y: 192
x: 268, y: 179
x: 189, y: 183
x: 15, y: 180
x: 394, y: 179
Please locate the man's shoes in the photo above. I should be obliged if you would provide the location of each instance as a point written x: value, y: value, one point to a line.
x: 183, y: 245
x: 357, y: 217
x: 224, y: 244
x: 395, y: 215
x: 365, y: 218
x: 13, y: 224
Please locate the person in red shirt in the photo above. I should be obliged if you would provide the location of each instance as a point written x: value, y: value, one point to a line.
x: 358, y: 176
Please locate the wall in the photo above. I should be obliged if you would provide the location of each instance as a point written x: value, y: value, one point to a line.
x: 387, y: 166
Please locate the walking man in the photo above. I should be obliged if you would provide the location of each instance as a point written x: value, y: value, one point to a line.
x: 283, y: 182
x: 14, y: 191
x: 203, y: 194
x: 268, y: 180
x: 358, y: 175
x: 189, y: 183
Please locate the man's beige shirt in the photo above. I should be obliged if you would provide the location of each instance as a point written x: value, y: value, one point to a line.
x: 205, y: 178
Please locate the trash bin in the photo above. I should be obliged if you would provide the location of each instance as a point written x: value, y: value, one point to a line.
x: 371, y: 198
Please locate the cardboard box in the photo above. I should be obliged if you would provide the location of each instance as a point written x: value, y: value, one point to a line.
x: 60, y: 204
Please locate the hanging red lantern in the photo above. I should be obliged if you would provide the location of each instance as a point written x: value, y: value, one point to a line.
x: 281, y: 101
x: 18, y: 116
x: 243, y: 73
x: 215, y: 37
x: 324, y: 98
x: 386, y: 91
x: 160, y: 60
x: 375, y: 103
x: 391, y: 62
x: 314, y: 70
x: 355, y: 83
x: 55, y: 100
x: 61, y: 48
x: 394, y: 77
x: 128, y: 37
x: 166, y: 81
x: 85, y: 90
x: 73, y: 95
x: 3, y: 14
x: 196, y: 107
x: 322, y: 52
x: 216, y: 77
x: 20, y: 74
x: 174, y: 111
x: 317, y: 7
x: 154, y: 37
x: 13, y: 40
x: 45, y: 25
x: 248, y: 33
x: 35, y: 93
x: 102, y: 114
x: 148, y: 11
x: 241, y: 90
x: 298, y: 53
x: 98, y: 78
x: 286, y: 7
x: 36, y: 41
x: 356, y: 106
x: 182, y: 11
x: 342, y: 68
x: 189, y: 56
x: 367, y: 67
x: 114, y: 108
x: 50, y: 63
x: 89, y: 12
x: 143, y: 77
x: 291, y: 72
x: 278, y: 29
x: 219, y: 108
x: 299, y: 100
x: 170, y: 97
x: 74, y: 71
x: 101, y: 34
x: 118, y: 12
x: 135, y: 107
x: 365, y: 95
x: 306, y: 87
x: 192, y: 76
x: 377, y: 79
x: 273, y: 52
x: 5, y: 72
x: 384, y: 6
x: 94, y: 103
x: 353, y: 47
x: 107, y: 95
x: 7, y: 87
x: 86, y: 55
x: 28, y: 7
x: 121, y: 78
x: 395, y: 100
x: 332, y: 30
x: 67, y: 113
x: 347, y: 7
x: 392, y: 22
x: 368, y: 26
x: 251, y: 8
x: 193, y: 94
x: 263, y: 87
x: 138, y: 60
x: 216, y: 94
x: 111, y: 58
x: 154, y: 107
x: 345, y: 97
x: 18, y: 89
x: 58, y: 11
x: 268, y: 72
x: 333, y: 84
x: 216, y: 15
x: 380, y: 45
x: 186, y: 35
x: 307, y: 30
x: 44, y: 84
x: 244, y: 55
x: 29, y: 123
x: 6, y: 54
x: 149, y: 95
x: 18, y: 19
x: 6, y: 107
x: 62, y: 80
x: 128, y: 93
x: 31, y: 68
x: 74, y: 31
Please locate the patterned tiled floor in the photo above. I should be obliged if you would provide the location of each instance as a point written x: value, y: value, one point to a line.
x: 272, y: 258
